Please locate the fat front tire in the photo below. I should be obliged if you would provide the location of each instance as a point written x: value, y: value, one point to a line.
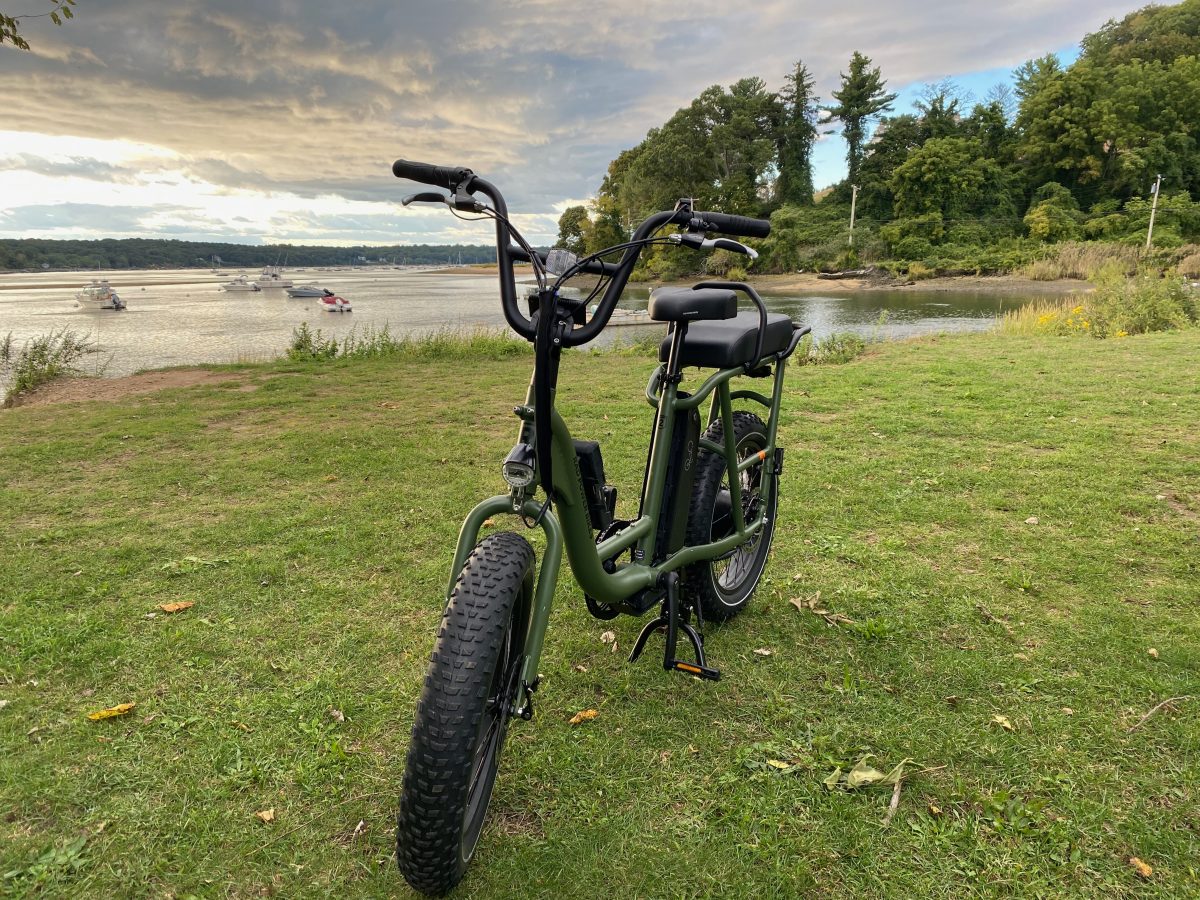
x: 463, y: 713
x: 724, y: 586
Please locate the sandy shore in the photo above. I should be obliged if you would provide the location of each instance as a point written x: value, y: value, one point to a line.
x: 809, y: 283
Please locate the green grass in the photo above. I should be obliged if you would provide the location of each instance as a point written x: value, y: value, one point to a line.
x: 309, y: 511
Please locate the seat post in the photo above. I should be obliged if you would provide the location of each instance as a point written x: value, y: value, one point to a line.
x: 677, y: 332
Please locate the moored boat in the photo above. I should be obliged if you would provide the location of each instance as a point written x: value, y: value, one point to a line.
x: 333, y: 303
x: 272, y: 277
x: 307, y: 290
x: 241, y: 283
x: 98, y: 295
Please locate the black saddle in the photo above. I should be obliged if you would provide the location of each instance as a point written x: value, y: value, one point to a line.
x: 686, y: 305
x: 729, y: 343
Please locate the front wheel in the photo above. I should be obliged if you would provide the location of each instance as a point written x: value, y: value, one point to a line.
x: 462, y: 717
x: 723, y: 586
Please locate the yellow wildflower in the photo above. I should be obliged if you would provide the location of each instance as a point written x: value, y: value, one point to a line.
x: 1077, y: 310
x: 1121, y: 333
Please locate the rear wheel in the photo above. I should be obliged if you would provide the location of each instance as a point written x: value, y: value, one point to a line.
x: 724, y: 586
x: 462, y: 716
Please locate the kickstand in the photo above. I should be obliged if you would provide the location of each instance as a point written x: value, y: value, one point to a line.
x: 670, y: 619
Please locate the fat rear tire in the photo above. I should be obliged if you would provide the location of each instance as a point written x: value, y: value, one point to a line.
x: 724, y: 587
x: 463, y: 714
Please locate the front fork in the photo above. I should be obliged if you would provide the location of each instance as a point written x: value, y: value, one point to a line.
x: 543, y: 593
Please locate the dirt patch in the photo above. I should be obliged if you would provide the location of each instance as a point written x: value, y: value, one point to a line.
x: 75, y: 390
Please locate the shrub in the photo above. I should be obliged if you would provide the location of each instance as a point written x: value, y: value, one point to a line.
x: 913, y: 247
x: 834, y: 349
x: 41, y: 360
x: 1119, y: 306
x: 372, y: 342
x: 1083, y: 260
x: 1145, y: 303
x: 1189, y: 266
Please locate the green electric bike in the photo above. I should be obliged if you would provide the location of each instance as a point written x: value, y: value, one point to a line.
x: 695, y: 551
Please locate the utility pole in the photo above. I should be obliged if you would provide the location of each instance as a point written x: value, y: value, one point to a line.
x: 854, y: 203
x: 1153, y: 210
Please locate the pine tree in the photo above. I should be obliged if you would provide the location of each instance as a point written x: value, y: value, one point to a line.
x: 796, y: 135
x: 861, y: 98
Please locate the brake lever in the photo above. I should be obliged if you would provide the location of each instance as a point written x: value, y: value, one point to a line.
x: 425, y: 197
x: 698, y: 242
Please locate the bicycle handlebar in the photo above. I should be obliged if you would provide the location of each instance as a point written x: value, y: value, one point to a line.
x: 461, y: 179
x: 447, y: 177
x: 734, y: 226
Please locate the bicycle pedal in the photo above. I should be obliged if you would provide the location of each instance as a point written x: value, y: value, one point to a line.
x: 702, y: 672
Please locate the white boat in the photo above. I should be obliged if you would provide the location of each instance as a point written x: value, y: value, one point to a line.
x: 272, y: 277
x: 241, y: 283
x: 307, y: 290
x: 333, y: 303
x: 98, y: 295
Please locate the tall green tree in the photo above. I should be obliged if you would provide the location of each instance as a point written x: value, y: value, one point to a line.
x: 796, y: 135
x: 573, y: 226
x: 860, y: 100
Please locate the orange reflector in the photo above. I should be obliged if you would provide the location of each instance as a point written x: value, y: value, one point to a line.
x: 762, y: 454
x: 695, y: 670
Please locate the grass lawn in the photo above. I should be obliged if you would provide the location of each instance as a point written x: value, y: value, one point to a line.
x: 308, y: 511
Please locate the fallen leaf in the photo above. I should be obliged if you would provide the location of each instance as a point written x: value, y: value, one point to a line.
x: 580, y: 667
x: 1142, y: 870
x: 952, y: 700
x: 4, y: 703
x: 1032, y: 520
x: 1067, y: 711
x: 1003, y: 722
x: 336, y: 714
x: 1152, y: 653
x: 834, y: 778
x: 763, y: 651
x: 934, y: 809
x: 150, y: 718
x: 240, y: 725
x: 1160, y: 496
x: 330, y: 477
x: 778, y: 764
x: 266, y: 815
x: 608, y: 637
x: 584, y: 716
x: 119, y: 710
x: 359, y: 828
x: 488, y: 523
x: 176, y: 607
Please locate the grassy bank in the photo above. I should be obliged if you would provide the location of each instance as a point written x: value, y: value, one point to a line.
x: 997, y: 526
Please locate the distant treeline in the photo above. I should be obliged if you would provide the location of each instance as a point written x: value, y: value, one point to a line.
x: 143, y: 253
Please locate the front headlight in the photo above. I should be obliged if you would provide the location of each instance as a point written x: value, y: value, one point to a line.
x: 519, y: 466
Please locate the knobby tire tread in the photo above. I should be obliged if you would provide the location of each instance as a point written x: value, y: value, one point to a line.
x: 434, y: 794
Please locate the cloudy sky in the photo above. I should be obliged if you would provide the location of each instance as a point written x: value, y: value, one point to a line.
x: 277, y: 120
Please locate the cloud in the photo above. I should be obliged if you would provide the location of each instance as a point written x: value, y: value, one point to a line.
x: 311, y: 99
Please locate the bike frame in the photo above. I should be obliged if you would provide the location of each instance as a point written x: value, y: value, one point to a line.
x: 574, y: 529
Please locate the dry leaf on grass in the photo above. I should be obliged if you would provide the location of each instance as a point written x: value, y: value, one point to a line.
x: 1142, y: 870
x: 176, y: 607
x: 1152, y: 653
x: 763, y: 651
x: 584, y: 716
x: 488, y: 523
x: 580, y: 667
x: 1003, y: 722
x: 336, y: 714
x: 1032, y: 520
x: 266, y: 815
x: 608, y: 637
x: 119, y: 710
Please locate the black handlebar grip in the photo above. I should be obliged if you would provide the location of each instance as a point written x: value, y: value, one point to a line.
x: 734, y: 226
x: 447, y: 177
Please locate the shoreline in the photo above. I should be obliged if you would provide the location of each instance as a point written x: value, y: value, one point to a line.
x: 809, y: 283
